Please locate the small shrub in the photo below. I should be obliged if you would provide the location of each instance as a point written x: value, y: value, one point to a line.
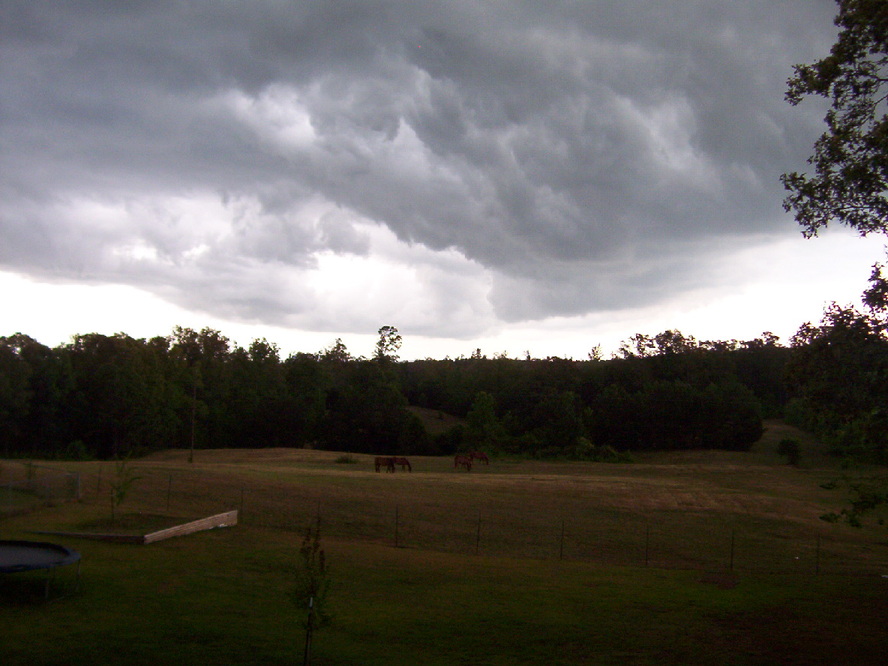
x: 450, y: 441
x: 548, y: 453
x: 77, y: 450
x: 585, y: 450
x: 791, y: 449
x: 609, y: 454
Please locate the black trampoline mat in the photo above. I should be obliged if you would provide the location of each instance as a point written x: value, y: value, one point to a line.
x: 29, y: 555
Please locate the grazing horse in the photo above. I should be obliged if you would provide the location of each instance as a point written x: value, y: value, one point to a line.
x: 462, y: 460
x: 479, y: 455
x: 388, y: 463
x: 403, y: 462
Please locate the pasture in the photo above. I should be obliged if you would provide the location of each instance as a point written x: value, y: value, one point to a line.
x: 678, y: 558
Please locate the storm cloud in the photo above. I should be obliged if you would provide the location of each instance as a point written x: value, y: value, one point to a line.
x: 444, y: 166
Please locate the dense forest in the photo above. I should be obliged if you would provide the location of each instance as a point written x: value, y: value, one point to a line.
x: 112, y: 396
x: 115, y: 396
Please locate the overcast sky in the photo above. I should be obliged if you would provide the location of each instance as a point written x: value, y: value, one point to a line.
x: 515, y: 176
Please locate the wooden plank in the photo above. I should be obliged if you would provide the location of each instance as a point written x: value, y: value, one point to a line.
x: 226, y: 519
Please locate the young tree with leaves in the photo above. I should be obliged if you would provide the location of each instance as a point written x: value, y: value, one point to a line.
x: 124, y: 478
x: 312, y: 585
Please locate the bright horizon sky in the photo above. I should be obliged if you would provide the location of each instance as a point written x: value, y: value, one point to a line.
x: 505, y: 176
x: 833, y: 269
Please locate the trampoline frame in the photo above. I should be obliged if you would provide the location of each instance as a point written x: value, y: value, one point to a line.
x: 65, y: 556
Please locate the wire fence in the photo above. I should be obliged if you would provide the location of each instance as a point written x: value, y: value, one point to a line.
x: 27, y: 485
x: 483, y: 526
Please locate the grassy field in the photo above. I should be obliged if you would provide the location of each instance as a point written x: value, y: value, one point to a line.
x: 678, y: 558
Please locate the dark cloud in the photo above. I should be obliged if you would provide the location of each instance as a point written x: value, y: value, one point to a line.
x: 586, y: 155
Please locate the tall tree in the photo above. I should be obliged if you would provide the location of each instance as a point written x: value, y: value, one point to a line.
x: 121, y: 402
x: 388, y: 344
x: 365, y: 410
x: 484, y: 428
x: 15, y: 397
x: 42, y: 429
x: 337, y: 352
x: 840, y: 367
x: 850, y: 159
x: 840, y: 372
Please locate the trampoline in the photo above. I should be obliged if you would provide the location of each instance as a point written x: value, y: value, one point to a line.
x: 17, y: 556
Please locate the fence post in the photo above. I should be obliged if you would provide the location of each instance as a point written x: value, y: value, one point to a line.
x: 817, y: 558
x: 731, y: 566
x: 647, y: 544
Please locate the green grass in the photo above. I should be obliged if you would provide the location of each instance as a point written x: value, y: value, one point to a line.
x: 530, y: 596
x: 221, y: 597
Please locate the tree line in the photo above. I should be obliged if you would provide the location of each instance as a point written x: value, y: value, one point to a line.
x: 115, y: 396
x: 103, y: 396
x: 663, y: 392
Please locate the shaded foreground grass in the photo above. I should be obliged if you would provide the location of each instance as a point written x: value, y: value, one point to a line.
x: 220, y: 597
x: 536, y: 593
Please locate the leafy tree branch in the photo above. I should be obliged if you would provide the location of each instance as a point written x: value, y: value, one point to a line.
x: 850, y: 159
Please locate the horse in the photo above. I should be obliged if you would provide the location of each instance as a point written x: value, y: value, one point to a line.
x: 388, y: 463
x: 462, y: 460
x: 479, y: 455
x: 403, y: 462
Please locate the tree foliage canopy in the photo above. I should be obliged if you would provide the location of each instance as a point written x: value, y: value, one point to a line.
x: 850, y: 159
x: 388, y: 344
x: 839, y: 369
x: 116, y: 396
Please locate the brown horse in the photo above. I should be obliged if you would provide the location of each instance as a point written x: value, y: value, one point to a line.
x: 388, y: 463
x: 403, y: 462
x: 479, y: 455
x: 462, y: 460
